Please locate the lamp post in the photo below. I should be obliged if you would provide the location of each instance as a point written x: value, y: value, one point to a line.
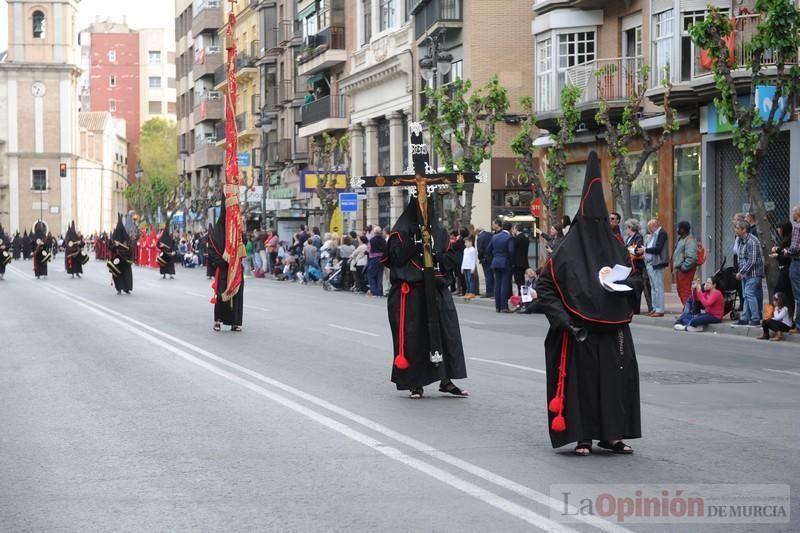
x: 436, y: 61
x: 139, y: 173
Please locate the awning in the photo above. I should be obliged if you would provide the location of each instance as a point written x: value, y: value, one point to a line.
x: 307, y: 11
x: 543, y: 142
x: 314, y: 78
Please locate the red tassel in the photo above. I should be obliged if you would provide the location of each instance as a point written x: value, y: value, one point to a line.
x: 559, y: 424
x: 555, y: 405
x: 400, y: 360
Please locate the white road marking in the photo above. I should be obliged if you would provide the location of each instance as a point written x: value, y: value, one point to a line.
x: 473, y: 322
x: 365, y: 305
x: 258, y: 308
x: 192, y: 293
x: 537, y: 520
x: 783, y: 372
x: 361, y: 331
x: 510, y: 365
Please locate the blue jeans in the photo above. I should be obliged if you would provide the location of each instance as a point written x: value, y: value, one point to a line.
x: 703, y: 319
x: 751, y: 288
x: 794, y: 277
x: 470, y: 281
x: 375, y: 276
x: 488, y: 274
x: 656, y: 287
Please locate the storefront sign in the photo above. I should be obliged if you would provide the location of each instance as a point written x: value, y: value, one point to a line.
x: 505, y: 174
x: 309, y: 180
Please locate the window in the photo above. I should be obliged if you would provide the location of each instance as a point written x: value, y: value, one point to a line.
x: 112, y: 106
x: 574, y: 49
x: 384, y: 209
x: 154, y: 82
x: 663, y: 32
x: 154, y: 107
x: 690, y: 54
x: 644, y: 189
x: 154, y: 56
x: 112, y: 56
x: 632, y: 42
x: 384, y: 147
x: 388, y: 14
x: 456, y: 72
x: 112, y: 80
x: 171, y: 108
x: 572, y: 198
x: 366, y: 20
x: 39, y: 179
x: 170, y: 83
x: 39, y: 25
x: 687, y: 185
x: 544, y: 75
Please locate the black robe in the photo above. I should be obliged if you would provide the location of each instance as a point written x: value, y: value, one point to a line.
x: 404, y: 259
x: 5, y: 254
x: 73, y: 260
x: 27, y: 247
x: 168, y: 255
x: 229, y: 313
x: 16, y: 245
x: 41, y: 256
x: 122, y: 257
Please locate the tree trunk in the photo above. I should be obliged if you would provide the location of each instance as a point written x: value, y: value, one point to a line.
x: 626, y: 206
x: 759, y: 210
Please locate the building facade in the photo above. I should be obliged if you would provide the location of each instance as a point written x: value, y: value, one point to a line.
x: 157, y: 84
x: 39, y: 116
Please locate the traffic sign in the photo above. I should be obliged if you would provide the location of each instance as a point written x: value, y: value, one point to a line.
x: 536, y: 208
x: 244, y: 159
x: 361, y: 192
x: 348, y: 202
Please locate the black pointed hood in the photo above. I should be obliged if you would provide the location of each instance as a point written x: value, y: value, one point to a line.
x: 120, y: 233
x: 71, y: 236
x: 217, y: 234
x: 166, y: 237
x: 589, y: 246
x: 40, y: 231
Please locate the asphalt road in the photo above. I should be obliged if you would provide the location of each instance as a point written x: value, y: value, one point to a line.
x: 128, y: 413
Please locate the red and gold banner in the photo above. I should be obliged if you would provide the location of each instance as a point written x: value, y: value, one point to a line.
x: 234, y: 249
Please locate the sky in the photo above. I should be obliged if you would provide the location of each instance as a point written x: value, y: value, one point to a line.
x: 139, y: 13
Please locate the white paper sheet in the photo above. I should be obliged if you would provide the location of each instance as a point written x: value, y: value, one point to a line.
x: 618, y: 273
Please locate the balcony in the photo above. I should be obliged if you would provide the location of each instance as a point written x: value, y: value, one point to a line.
x: 290, y: 90
x: 290, y: 33
x: 208, y: 17
x: 324, y: 50
x: 211, y: 107
x: 221, y: 78
x: 246, y: 69
x: 245, y: 127
x: 207, y: 61
x: 300, y: 153
x: 326, y: 114
x: 284, y: 150
x: 430, y: 15
x: 272, y: 101
x: 208, y: 154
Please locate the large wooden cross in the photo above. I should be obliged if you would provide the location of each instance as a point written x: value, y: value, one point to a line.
x: 421, y: 181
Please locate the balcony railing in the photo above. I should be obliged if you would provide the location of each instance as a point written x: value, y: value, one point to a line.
x: 746, y: 30
x: 219, y: 131
x: 272, y: 101
x: 244, y: 61
x: 607, y: 79
x: 289, y: 31
x: 221, y: 74
x: 437, y: 11
x: 328, y: 39
x: 255, y: 49
x: 334, y: 106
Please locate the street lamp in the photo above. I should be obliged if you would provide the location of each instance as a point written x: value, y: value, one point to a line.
x: 435, y: 61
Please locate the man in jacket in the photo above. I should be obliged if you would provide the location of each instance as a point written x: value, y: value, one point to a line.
x: 485, y: 259
x: 656, y: 258
x: 684, y: 261
x: 501, y: 249
x: 751, y: 273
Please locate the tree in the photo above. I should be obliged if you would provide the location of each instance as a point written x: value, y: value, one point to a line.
x: 330, y: 156
x: 555, y: 174
x: 462, y: 128
x: 618, y: 136
x: 159, y: 189
x: 776, y: 41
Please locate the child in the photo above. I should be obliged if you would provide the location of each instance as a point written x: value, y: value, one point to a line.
x: 468, y: 267
x: 780, y: 322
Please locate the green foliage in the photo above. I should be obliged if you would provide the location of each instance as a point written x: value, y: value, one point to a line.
x: 158, y: 149
x: 555, y: 175
x: 778, y: 38
x: 329, y: 154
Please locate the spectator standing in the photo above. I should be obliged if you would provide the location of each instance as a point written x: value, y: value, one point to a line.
x: 520, y: 261
x: 482, y: 244
x: 259, y: 251
x: 781, y: 320
x: 271, y: 247
x: 704, y: 307
x: 793, y: 252
x: 784, y: 284
x: 468, y: 264
x: 614, y: 219
x: 553, y: 238
x: 311, y: 262
x: 751, y: 273
x: 684, y: 261
x: 634, y: 242
x: 346, y: 250
x: 377, y: 247
x: 656, y: 259
x: 502, y: 251
x: 750, y: 218
x: 358, y: 263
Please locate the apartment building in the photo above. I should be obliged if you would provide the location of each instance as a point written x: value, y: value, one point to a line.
x: 600, y: 47
x: 157, y: 87
x: 200, y: 109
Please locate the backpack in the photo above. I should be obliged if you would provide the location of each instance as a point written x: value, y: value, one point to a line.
x: 701, y: 254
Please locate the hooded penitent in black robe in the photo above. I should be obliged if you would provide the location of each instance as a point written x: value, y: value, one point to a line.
x: 16, y: 246
x: 121, y: 259
x: 166, y: 253
x: 403, y: 257
x: 27, y: 246
x: 600, y: 398
x: 41, y: 252
x: 73, y: 251
x: 204, y: 247
x: 5, y: 252
x: 229, y: 313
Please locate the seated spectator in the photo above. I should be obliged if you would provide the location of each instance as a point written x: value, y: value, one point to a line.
x: 781, y: 321
x: 190, y: 260
x: 705, y: 306
x: 529, y: 296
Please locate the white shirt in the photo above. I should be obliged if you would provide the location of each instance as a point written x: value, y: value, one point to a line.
x: 470, y: 259
x: 781, y: 314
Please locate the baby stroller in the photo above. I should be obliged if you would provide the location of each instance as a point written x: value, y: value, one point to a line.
x: 727, y: 283
x: 334, y: 279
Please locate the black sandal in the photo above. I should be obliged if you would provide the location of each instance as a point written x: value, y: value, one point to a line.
x: 617, y: 447
x: 236, y: 328
x: 450, y: 388
x: 217, y: 326
x: 416, y: 394
x: 583, y: 449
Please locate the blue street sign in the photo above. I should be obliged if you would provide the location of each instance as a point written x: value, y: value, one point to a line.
x: 361, y: 192
x: 348, y: 202
x: 244, y: 159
